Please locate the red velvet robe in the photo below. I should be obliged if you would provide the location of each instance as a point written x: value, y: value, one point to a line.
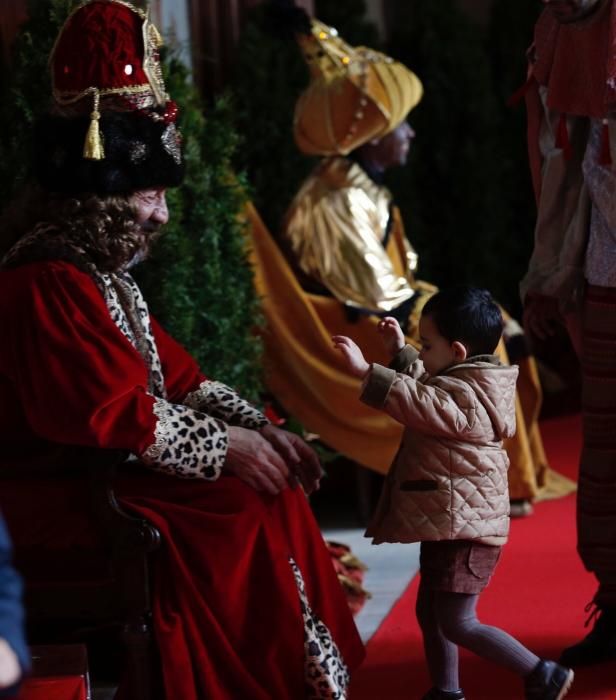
x: 227, y: 612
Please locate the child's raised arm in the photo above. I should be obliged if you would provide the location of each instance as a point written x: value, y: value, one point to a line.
x: 353, y: 356
x: 391, y: 335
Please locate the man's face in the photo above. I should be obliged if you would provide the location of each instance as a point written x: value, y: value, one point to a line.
x: 393, y: 149
x: 150, y: 208
x: 151, y: 213
x: 567, y: 11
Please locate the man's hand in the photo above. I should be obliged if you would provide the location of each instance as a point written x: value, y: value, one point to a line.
x: 355, y: 362
x: 10, y: 670
x: 302, y: 460
x: 542, y: 316
x: 253, y: 460
x: 391, y: 335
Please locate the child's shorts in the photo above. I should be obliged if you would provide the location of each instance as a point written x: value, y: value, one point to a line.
x: 457, y: 566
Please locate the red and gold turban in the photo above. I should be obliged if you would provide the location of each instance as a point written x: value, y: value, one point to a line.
x: 355, y: 94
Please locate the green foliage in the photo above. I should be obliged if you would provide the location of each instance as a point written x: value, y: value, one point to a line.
x: 269, y: 75
x: 199, y: 282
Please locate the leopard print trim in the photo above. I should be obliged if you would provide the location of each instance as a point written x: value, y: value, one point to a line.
x: 130, y: 313
x: 187, y: 444
x: 327, y: 676
x: 221, y: 401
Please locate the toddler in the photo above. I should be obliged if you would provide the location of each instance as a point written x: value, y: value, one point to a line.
x: 447, y: 487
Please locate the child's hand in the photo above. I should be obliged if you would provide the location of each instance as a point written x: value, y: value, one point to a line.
x: 354, y: 357
x: 392, y: 335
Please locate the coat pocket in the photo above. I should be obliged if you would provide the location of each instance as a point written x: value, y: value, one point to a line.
x: 482, y: 559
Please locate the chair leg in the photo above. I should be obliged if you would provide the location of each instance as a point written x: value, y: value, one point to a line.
x: 140, y: 672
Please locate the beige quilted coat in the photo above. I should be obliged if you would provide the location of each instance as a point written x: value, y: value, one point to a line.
x: 449, y: 478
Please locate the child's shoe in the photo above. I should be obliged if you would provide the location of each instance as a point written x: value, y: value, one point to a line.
x: 548, y: 681
x: 436, y: 694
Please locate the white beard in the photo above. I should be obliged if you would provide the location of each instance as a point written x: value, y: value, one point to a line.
x: 137, y: 258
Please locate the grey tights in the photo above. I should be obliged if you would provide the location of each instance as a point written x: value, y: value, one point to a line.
x: 449, y: 620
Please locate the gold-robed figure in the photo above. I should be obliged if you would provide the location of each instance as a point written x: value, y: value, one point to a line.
x: 343, y: 260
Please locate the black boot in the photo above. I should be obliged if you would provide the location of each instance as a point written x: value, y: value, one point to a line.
x: 598, y: 645
x: 436, y: 694
x: 548, y: 681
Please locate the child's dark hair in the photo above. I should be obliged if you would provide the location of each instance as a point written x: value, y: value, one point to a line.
x: 468, y: 315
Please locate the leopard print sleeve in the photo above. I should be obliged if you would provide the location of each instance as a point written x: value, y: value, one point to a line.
x: 187, y: 443
x: 222, y: 402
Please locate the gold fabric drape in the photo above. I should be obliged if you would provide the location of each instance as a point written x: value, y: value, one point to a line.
x: 305, y: 373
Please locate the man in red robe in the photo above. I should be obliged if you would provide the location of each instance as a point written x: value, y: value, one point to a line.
x: 247, y: 604
x: 571, y: 278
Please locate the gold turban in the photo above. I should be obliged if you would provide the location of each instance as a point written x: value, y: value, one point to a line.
x: 354, y: 95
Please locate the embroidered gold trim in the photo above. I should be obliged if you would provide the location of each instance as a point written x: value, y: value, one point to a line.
x: 73, y: 96
x: 152, y: 41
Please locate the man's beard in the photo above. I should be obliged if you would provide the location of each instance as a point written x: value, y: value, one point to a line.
x: 150, y: 234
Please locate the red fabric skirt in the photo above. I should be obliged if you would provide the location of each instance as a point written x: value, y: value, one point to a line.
x: 227, y: 611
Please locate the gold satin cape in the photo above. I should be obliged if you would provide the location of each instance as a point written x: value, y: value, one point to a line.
x: 304, y: 371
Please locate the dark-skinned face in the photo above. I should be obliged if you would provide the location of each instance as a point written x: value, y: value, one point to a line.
x: 567, y: 11
x: 393, y: 148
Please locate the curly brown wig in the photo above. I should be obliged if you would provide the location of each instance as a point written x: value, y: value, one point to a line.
x: 101, y: 230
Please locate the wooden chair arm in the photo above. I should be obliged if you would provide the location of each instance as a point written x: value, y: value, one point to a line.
x: 131, y: 537
x: 127, y: 533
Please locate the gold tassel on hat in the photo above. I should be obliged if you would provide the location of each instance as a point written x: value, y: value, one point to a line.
x: 93, y: 147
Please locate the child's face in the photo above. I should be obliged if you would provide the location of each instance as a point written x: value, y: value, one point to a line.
x: 437, y: 353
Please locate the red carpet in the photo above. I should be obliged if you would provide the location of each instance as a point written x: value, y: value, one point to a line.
x: 538, y: 594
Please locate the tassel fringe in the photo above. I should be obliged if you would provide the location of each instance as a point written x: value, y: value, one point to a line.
x: 93, y: 147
